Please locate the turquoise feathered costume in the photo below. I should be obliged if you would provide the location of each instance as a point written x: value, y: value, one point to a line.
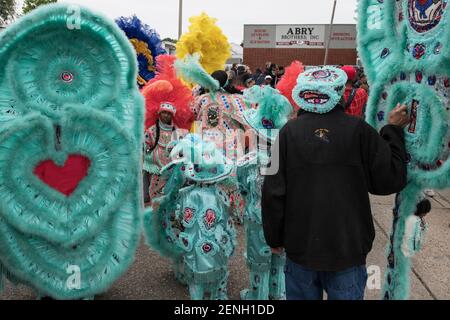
x: 219, y: 118
x: 405, y: 49
x: 71, y: 123
x: 192, y: 224
x: 266, y: 269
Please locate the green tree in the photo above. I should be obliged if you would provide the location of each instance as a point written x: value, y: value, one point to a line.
x: 29, y: 5
x: 7, y: 10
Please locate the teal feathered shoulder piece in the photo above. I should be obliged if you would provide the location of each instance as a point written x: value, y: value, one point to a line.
x: 71, y: 123
x: 405, y: 49
x: 272, y: 112
x: 192, y: 71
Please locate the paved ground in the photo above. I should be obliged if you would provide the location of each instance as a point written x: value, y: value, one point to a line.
x: 150, y: 276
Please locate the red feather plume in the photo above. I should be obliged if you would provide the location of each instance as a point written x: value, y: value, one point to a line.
x: 289, y: 81
x: 166, y: 87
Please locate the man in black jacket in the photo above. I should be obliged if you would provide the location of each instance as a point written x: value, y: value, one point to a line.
x: 317, y: 206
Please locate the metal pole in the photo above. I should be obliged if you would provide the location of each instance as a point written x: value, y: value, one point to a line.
x: 325, y: 62
x: 180, y: 19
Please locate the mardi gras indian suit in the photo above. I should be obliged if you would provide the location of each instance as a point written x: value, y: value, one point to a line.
x: 70, y: 147
x: 165, y: 93
x: 266, y: 269
x: 194, y: 217
x: 219, y: 116
x: 404, y: 46
x: 201, y: 52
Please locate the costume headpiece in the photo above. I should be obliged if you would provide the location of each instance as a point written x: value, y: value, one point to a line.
x: 319, y: 90
x: 168, y: 107
x: 202, y: 160
x: 272, y: 113
x: 147, y: 44
x: 167, y: 93
x: 220, y: 110
x: 70, y: 152
x: 206, y: 39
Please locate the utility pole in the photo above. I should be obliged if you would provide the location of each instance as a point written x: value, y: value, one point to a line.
x: 180, y: 19
x: 325, y: 62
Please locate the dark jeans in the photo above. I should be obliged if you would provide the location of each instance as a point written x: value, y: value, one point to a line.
x: 304, y: 284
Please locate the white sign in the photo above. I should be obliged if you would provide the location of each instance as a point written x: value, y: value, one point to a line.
x: 300, y: 36
x: 343, y: 37
x: 261, y: 36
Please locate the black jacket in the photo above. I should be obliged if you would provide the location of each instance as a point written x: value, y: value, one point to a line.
x: 317, y: 206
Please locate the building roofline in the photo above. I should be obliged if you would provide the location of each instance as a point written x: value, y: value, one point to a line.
x: 301, y: 24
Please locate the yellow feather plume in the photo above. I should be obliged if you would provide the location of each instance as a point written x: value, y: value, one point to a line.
x: 207, y: 39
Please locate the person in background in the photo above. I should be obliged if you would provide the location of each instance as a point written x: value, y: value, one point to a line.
x: 248, y: 81
x: 268, y: 68
x: 355, y: 99
x: 240, y: 82
x: 240, y: 71
x: 234, y: 70
x: 168, y: 105
x: 224, y: 82
x: 274, y: 70
x: 268, y: 81
x: 363, y: 83
x: 259, y: 77
x: 231, y: 77
x: 281, y: 72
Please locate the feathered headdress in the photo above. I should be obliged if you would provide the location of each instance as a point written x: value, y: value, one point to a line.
x: 206, y: 39
x: 289, y: 81
x: 204, y: 161
x: 272, y: 113
x: 167, y: 91
x: 320, y: 89
x: 147, y: 43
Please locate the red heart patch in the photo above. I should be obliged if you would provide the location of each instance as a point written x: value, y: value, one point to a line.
x: 65, y: 179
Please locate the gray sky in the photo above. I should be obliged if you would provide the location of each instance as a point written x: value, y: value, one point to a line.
x: 231, y: 14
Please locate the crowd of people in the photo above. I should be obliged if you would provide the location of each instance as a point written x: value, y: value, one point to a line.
x: 286, y: 152
x: 241, y: 77
x: 327, y: 122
